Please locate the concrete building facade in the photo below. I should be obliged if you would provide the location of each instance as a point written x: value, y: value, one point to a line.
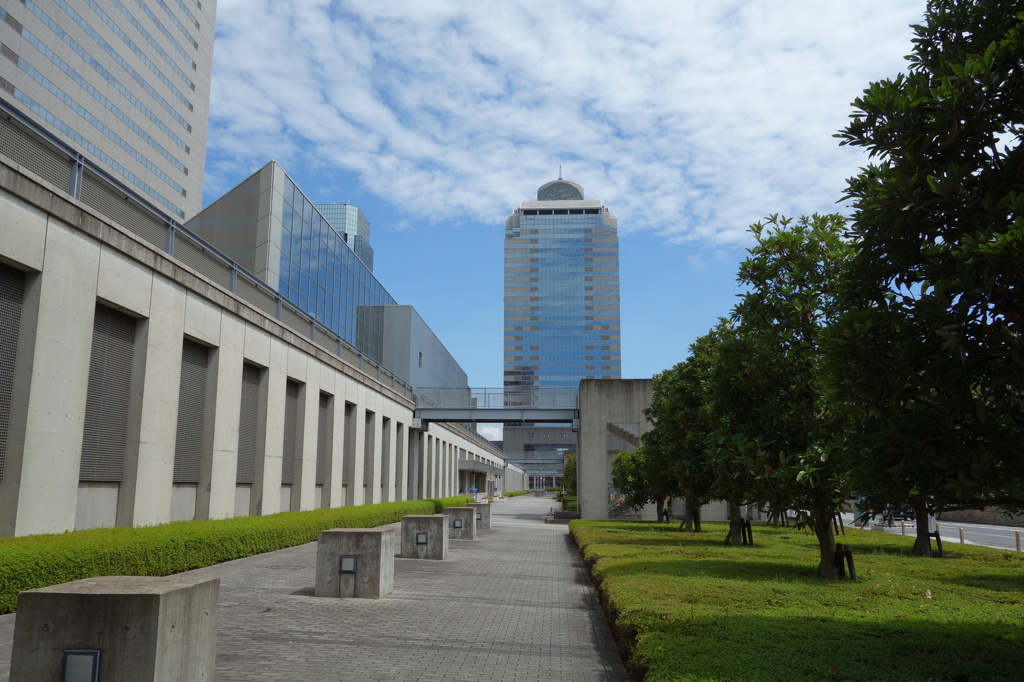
x: 126, y: 84
x: 561, y: 313
x: 611, y: 421
x: 142, y: 380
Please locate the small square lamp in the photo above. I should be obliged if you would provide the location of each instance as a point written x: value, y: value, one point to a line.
x: 347, y: 564
x: 81, y: 665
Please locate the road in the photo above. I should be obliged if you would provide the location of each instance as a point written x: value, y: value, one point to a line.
x: 1000, y: 537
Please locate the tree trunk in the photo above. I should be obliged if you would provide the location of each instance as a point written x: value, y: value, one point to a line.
x: 735, y: 537
x: 660, y: 509
x: 687, y: 523
x: 692, y: 515
x: 923, y: 539
x: 822, y: 522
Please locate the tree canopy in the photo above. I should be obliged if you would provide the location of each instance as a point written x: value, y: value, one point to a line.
x: 928, y: 352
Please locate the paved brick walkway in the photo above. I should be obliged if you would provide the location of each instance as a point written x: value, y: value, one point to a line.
x: 513, y: 605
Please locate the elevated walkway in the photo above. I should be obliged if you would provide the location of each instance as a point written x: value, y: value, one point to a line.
x: 497, y: 405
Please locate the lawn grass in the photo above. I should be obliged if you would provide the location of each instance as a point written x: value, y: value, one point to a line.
x: 688, y: 607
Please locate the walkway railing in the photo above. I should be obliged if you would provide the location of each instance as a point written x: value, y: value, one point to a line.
x: 497, y: 398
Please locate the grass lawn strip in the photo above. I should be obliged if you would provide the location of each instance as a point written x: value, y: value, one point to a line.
x: 691, y: 608
x: 40, y: 560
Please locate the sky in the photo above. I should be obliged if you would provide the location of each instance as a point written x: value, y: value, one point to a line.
x: 689, y: 119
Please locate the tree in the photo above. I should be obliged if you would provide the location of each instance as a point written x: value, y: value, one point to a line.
x: 929, y: 354
x: 776, y: 436
x: 640, y: 477
x: 681, y: 421
x: 569, y: 473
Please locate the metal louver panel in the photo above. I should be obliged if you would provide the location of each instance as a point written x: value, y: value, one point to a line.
x: 202, y: 261
x: 324, y: 429
x: 188, y: 444
x: 106, y: 404
x: 291, y: 409
x: 12, y: 293
x: 33, y: 154
x: 258, y: 297
x: 248, y: 421
x: 125, y: 212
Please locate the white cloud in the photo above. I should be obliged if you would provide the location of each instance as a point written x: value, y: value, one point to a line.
x: 689, y: 118
x: 491, y: 431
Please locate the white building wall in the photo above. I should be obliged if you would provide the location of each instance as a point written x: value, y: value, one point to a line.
x: 74, y: 258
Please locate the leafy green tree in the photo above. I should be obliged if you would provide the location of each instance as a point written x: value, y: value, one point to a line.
x: 775, y: 442
x: 569, y: 473
x: 639, y: 476
x: 929, y: 355
x: 682, y: 421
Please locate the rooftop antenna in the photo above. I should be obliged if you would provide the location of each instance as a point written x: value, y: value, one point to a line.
x: 559, y: 171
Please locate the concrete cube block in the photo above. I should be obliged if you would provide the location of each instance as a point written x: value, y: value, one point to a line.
x: 435, y: 528
x: 462, y: 525
x: 145, y: 628
x: 369, y: 551
x: 483, y: 514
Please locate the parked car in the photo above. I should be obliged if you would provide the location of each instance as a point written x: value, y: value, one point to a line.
x: 901, y: 513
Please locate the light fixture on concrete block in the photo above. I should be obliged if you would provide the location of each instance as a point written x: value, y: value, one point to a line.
x: 347, y: 564
x: 81, y: 665
x: 457, y: 523
x: 479, y: 516
x: 421, y: 538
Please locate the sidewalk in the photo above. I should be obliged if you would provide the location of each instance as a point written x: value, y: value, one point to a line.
x: 515, y: 604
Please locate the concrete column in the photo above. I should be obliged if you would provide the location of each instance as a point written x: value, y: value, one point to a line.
x: 452, y: 470
x: 358, y: 435
x: 44, y: 449
x: 334, y: 467
x: 215, y: 498
x: 372, y: 455
x: 440, y: 447
x: 435, y: 526
x: 387, y: 459
x: 145, y: 496
x: 461, y: 523
x: 373, y: 550
x: 401, y: 462
x: 266, y: 486
x: 483, y: 512
x: 415, y: 464
x: 146, y: 629
x: 304, y: 480
x: 603, y: 402
x: 430, y: 490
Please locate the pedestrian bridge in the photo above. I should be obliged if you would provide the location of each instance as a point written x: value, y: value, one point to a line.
x: 537, y: 405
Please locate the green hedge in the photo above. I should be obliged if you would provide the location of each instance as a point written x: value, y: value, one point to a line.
x: 40, y: 560
x: 518, y: 492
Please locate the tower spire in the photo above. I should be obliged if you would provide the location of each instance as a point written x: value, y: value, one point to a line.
x: 559, y: 171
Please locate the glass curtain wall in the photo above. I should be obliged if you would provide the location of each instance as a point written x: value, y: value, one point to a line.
x: 322, y: 275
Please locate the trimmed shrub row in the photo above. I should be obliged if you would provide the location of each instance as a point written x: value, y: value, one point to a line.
x: 518, y: 492
x: 40, y: 560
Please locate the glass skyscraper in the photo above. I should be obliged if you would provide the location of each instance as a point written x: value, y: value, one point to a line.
x: 561, y: 313
x: 350, y: 222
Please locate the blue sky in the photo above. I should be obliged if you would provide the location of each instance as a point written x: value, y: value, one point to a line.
x: 689, y: 119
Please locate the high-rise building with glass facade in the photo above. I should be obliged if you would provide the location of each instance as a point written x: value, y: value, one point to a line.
x: 561, y: 312
x: 123, y: 83
x: 350, y: 222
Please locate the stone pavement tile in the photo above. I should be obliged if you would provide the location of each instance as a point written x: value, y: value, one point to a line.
x: 515, y: 605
